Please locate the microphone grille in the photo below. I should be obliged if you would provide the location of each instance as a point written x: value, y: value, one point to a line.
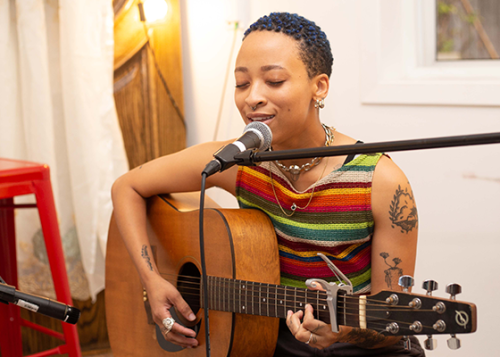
x: 264, y: 133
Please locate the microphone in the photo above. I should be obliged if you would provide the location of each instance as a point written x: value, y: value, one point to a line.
x: 256, y: 135
x: 39, y: 304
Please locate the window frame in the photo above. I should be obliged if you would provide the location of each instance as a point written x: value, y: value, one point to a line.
x: 398, y: 64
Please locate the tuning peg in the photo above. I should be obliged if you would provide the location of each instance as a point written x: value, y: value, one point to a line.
x: 430, y: 343
x: 430, y: 286
x: 453, y: 290
x: 454, y: 342
x: 406, y: 282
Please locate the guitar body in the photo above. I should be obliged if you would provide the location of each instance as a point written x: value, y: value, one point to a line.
x: 239, y: 244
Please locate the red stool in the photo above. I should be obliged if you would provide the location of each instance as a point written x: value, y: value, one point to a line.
x: 22, y: 178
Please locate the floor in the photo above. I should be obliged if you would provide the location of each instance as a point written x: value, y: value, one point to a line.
x: 102, y: 353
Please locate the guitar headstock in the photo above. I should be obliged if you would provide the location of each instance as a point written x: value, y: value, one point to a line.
x: 404, y: 313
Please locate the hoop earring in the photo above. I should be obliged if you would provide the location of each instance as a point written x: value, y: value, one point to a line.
x: 320, y: 103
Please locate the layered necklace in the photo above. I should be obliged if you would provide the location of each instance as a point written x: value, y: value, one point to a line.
x: 296, y: 170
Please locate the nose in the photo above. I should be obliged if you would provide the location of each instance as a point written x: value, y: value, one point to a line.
x: 256, y: 97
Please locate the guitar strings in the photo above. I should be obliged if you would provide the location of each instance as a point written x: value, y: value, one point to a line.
x: 228, y: 284
x: 289, y: 304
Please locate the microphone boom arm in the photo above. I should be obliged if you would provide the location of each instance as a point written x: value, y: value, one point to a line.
x: 251, y: 157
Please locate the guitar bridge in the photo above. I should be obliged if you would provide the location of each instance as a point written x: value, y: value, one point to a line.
x: 332, y: 290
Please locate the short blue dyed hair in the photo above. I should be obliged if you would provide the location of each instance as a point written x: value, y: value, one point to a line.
x: 313, y: 45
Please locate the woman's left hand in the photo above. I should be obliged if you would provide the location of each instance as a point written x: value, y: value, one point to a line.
x: 305, y: 328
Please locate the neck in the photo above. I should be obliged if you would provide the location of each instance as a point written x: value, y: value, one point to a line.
x: 313, y: 136
x: 271, y: 300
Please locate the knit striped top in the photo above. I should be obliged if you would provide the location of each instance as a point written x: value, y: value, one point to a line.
x: 338, y: 222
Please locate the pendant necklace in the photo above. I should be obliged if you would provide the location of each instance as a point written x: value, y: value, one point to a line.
x: 294, y: 205
x: 295, y: 172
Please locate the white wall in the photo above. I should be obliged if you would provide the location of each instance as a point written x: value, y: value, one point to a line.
x: 459, y: 215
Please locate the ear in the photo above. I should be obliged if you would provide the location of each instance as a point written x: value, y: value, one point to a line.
x: 321, y: 85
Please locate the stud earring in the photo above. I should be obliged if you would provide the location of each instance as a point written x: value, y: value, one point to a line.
x: 320, y: 103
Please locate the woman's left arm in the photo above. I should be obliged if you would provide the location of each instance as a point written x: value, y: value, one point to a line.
x: 394, y: 242
x: 394, y: 246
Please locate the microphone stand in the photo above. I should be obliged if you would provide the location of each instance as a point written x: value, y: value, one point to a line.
x: 251, y: 157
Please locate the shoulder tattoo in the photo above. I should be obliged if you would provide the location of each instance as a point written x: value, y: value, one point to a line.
x: 403, y: 210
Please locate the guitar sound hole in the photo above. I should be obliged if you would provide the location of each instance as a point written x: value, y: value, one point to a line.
x: 188, y: 284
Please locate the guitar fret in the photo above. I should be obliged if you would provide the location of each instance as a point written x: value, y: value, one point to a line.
x: 272, y: 300
x: 260, y: 305
x: 282, y: 299
x: 267, y: 299
x: 214, y: 293
x: 316, y: 309
x: 276, y: 301
x: 234, y: 299
x: 227, y: 287
x: 284, y: 303
x: 245, y: 304
x: 253, y: 298
x: 223, y: 292
x: 301, y: 298
x: 239, y: 295
x: 230, y: 299
x: 220, y: 297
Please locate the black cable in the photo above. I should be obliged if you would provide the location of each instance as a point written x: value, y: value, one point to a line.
x: 202, y: 260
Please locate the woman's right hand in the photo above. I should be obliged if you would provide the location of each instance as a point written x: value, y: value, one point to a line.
x: 163, y: 296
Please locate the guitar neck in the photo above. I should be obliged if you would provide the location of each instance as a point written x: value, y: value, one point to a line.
x: 247, y: 297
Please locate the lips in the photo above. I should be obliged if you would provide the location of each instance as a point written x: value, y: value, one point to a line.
x: 262, y: 118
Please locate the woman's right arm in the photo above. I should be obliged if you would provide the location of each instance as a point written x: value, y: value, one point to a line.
x: 179, y: 172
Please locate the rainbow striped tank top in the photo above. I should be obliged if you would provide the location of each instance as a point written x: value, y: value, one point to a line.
x: 338, y: 222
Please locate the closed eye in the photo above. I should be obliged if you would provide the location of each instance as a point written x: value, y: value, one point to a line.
x: 275, y: 84
x: 243, y: 85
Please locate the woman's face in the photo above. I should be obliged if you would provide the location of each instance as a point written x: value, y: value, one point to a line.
x: 271, y: 76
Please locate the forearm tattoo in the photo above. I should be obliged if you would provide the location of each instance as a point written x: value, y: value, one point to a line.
x: 365, y: 338
x: 393, y: 273
x: 145, y: 256
x: 403, y: 210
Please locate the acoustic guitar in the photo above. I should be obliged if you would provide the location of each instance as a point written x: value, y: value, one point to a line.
x: 245, y: 300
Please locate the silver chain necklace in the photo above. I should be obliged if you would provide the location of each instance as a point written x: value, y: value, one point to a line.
x: 295, y: 170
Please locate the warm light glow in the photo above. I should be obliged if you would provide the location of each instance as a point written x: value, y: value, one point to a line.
x: 155, y: 10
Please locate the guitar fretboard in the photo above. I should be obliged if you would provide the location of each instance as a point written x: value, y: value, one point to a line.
x: 247, y: 297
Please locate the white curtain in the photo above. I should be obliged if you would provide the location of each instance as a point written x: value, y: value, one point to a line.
x: 57, y: 107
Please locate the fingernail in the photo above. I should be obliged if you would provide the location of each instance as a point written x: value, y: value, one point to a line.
x: 191, y: 316
x: 289, y: 313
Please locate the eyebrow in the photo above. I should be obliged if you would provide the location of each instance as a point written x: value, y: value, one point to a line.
x: 263, y: 68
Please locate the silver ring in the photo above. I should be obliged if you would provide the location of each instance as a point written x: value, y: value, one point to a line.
x: 310, y: 337
x: 168, y: 323
x: 253, y: 108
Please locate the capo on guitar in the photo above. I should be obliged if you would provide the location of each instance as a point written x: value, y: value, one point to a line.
x: 332, y: 290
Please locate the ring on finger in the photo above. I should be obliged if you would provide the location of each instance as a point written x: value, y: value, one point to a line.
x: 168, y: 323
x: 310, y: 337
